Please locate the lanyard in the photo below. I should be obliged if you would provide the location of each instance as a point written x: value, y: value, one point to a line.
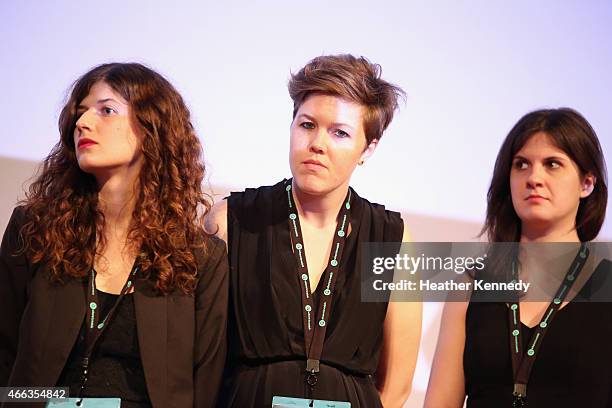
x: 316, y: 326
x: 95, y: 325
x: 522, y: 364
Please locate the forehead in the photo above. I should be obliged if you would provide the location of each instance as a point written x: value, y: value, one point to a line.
x: 333, y: 108
x: 540, y: 145
x: 101, y: 91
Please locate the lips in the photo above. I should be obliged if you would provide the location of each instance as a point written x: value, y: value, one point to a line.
x: 314, y: 163
x: 535, y: 197
x: 85, y: 142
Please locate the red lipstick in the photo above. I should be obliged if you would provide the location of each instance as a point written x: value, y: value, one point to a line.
x: 85, y: 142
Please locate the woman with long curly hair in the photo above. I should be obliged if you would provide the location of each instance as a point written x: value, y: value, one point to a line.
x: 108, y: 283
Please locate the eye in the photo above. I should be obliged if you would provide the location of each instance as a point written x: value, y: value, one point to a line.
x: 307, y: 125
x: 341, y: 133
x: 107, y: 110
x: 520, y: 164
x: 553, y: 164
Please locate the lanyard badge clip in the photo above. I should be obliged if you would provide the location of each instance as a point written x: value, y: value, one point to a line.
x: 520, y: 393
x: 312, y: 369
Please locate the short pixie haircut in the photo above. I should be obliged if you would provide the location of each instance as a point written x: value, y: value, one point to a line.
x: 351, y: 78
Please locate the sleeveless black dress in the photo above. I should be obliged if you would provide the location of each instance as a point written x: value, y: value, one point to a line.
x: 574, y: 364
x: 266, y: 352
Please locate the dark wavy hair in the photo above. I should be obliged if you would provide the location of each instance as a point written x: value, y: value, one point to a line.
x: 62, y: 213
x: 570, y: 132
x: 355, y: 79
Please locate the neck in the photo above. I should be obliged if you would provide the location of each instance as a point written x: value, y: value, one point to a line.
x: 545, y: 260
x: 549, y: 233
x: 319, y: 210
x: 117, y: 200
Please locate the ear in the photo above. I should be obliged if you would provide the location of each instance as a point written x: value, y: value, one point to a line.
x: 368, y: 151
x: 588, y: 185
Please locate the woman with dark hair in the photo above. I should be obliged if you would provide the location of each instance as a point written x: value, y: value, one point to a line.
x: 109, y: 284
x: 298, y: 330
x: 548, y: 186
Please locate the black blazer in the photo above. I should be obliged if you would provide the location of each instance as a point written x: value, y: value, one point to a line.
x: 182, y: 338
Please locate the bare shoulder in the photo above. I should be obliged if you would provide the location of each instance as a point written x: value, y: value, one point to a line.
x: 406, y: 236
x: 216, y: 220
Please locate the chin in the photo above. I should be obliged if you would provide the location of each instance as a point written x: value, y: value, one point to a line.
x: 93, y: 167
x: 534, y: 214
x: 311, y: 184
x: 88, y: 166
x: 536, y: 218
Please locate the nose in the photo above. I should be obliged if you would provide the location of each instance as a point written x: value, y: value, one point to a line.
x: 535, y: 176
x: 85, y: 121
x: 318, y: 143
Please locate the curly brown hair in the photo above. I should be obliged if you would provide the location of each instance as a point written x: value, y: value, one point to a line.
x: 355, y: 79
x: 62, y: 213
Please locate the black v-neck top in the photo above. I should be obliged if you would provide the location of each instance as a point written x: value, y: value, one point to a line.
x: 574, y: 363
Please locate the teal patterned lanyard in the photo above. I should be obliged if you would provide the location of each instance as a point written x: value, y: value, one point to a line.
x: 95, y: 326
x: 314, y: 334
x: 522, y: 364
x: 93, y: 302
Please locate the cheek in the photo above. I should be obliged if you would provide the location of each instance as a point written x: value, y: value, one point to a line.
x: 517, y: 180
x: 346, y: 158
x: 131, y: 140
x: 513, y: 185
x: 292, y: 148
x: 296, y: 144
x: 515, y: 188
x: 571, y: 189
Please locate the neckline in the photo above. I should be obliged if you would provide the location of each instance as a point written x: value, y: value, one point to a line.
x: 601, y: 264
x: 282, y: 236
x: 112, y: 294
x: 562, y: 308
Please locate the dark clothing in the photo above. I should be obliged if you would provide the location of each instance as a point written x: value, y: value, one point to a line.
x: 181, y: 338
x: 573, y: 367
x: 267, y: 355
x: 116, y: 368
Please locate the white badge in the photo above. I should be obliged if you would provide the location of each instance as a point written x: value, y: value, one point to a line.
x: 289, y: 402
x: 85, y: 403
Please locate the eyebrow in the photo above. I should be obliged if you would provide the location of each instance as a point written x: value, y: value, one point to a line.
x: 335, y: 124
x: 518, y: 156
x: 100, y: 101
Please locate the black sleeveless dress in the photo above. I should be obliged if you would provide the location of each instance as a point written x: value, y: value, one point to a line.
x: 574, y: 363
x: 266, y: 355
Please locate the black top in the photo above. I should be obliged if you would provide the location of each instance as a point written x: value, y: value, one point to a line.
x: 267, y: 355
x: 116, y: 367
x: 574, y: 364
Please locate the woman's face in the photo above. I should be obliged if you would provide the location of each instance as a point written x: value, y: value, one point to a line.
x: 547, y: 185
x: 327, y: 142
x: 105, y: 139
